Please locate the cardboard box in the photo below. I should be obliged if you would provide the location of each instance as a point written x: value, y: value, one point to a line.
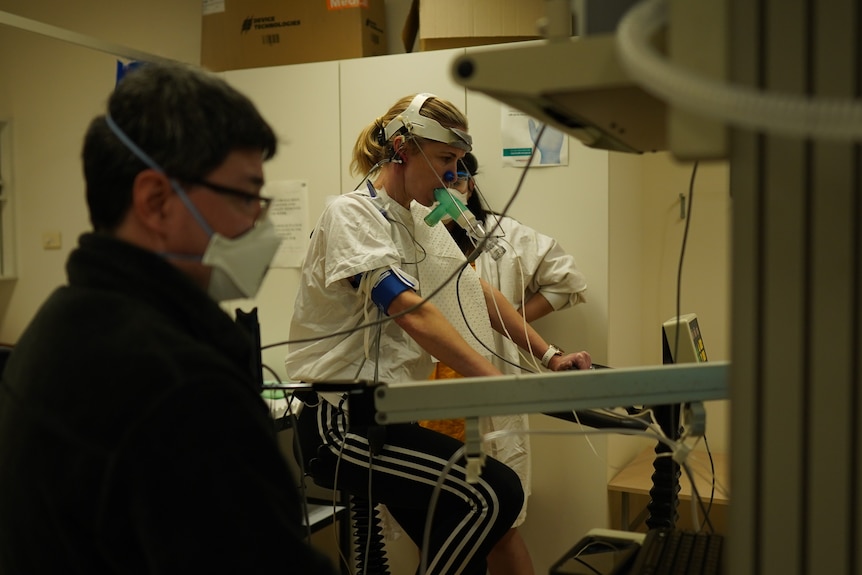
x: 239, y: 34
x: 459, y: 23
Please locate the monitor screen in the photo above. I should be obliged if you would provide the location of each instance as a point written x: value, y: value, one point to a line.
x: 690, y: 348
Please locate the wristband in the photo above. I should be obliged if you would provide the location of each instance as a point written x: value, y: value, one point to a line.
x: 552, y: 351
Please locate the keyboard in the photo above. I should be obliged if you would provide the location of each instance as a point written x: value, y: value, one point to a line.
x: 678, y: 552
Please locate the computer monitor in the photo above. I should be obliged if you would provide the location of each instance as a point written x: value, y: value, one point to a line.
x: 690, y: 348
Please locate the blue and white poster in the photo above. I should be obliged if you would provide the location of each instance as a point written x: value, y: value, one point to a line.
x: 521, y: 135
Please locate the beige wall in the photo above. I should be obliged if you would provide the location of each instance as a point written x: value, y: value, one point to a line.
x: 705, y: 287
x: 50, y: 90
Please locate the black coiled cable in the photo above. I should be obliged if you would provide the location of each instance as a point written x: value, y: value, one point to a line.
x: 368, y: 538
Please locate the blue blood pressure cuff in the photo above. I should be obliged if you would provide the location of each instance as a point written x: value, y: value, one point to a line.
x: 384, y: 285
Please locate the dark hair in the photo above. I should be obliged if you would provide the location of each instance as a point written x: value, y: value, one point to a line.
x: 469, y: 163
x: 474, y: 204
x: 184, y: 118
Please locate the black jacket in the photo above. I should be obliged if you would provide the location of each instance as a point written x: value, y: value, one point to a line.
x: 133, y: 438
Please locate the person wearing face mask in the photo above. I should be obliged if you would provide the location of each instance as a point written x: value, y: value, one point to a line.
x: 536, y: 275
x: 133, y: 437
x: 373, y: 255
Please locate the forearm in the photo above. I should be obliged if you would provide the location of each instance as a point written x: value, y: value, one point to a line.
x: 536, y: 307
x: 509, y: 322
x: 430, y: 329
x: 504, y: 315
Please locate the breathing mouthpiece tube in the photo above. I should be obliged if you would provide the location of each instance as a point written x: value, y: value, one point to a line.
x: 448, y: 205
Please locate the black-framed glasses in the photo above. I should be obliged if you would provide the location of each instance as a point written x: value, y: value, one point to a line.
x: 250, y: 202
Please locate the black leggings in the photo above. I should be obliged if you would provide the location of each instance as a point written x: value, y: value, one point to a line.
x: 469, y: 517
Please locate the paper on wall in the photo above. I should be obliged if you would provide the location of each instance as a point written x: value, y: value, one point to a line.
x: 519, y: 133
x: 289, y: 215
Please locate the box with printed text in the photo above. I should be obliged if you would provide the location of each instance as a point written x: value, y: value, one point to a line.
x: 459, y: 23
x: 239, y: 34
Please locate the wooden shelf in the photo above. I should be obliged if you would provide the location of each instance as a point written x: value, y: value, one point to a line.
x: 633, y: 483
x: 636, y: 477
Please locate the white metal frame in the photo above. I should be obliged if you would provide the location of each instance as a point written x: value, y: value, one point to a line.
x: 551, y: 392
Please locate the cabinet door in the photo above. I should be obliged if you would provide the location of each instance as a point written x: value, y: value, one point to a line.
x: 301, y: 104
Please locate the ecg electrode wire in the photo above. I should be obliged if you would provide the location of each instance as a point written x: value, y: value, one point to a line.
x: 527, y: 358
x: 473, y: 333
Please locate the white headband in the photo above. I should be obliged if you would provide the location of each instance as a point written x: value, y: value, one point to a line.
x: 411, y: 121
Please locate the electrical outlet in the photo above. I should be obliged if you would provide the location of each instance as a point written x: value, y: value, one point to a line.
x: 51, y: 241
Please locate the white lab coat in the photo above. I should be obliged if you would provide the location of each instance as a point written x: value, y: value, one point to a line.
x: 355, y: 234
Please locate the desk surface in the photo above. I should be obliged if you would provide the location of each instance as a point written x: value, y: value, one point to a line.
x: 636, y: 477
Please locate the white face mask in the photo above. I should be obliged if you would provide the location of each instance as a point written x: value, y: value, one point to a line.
x: 240, y: 264
x: 459, y: 195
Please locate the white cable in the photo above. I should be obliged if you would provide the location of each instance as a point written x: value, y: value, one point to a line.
x: 432, y: 505
x: 777, y: 113
x: 695, y: 498
x: 531, y: 358
x: 527, y: 359
x: 335, y: 534
x: 586, y: 437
